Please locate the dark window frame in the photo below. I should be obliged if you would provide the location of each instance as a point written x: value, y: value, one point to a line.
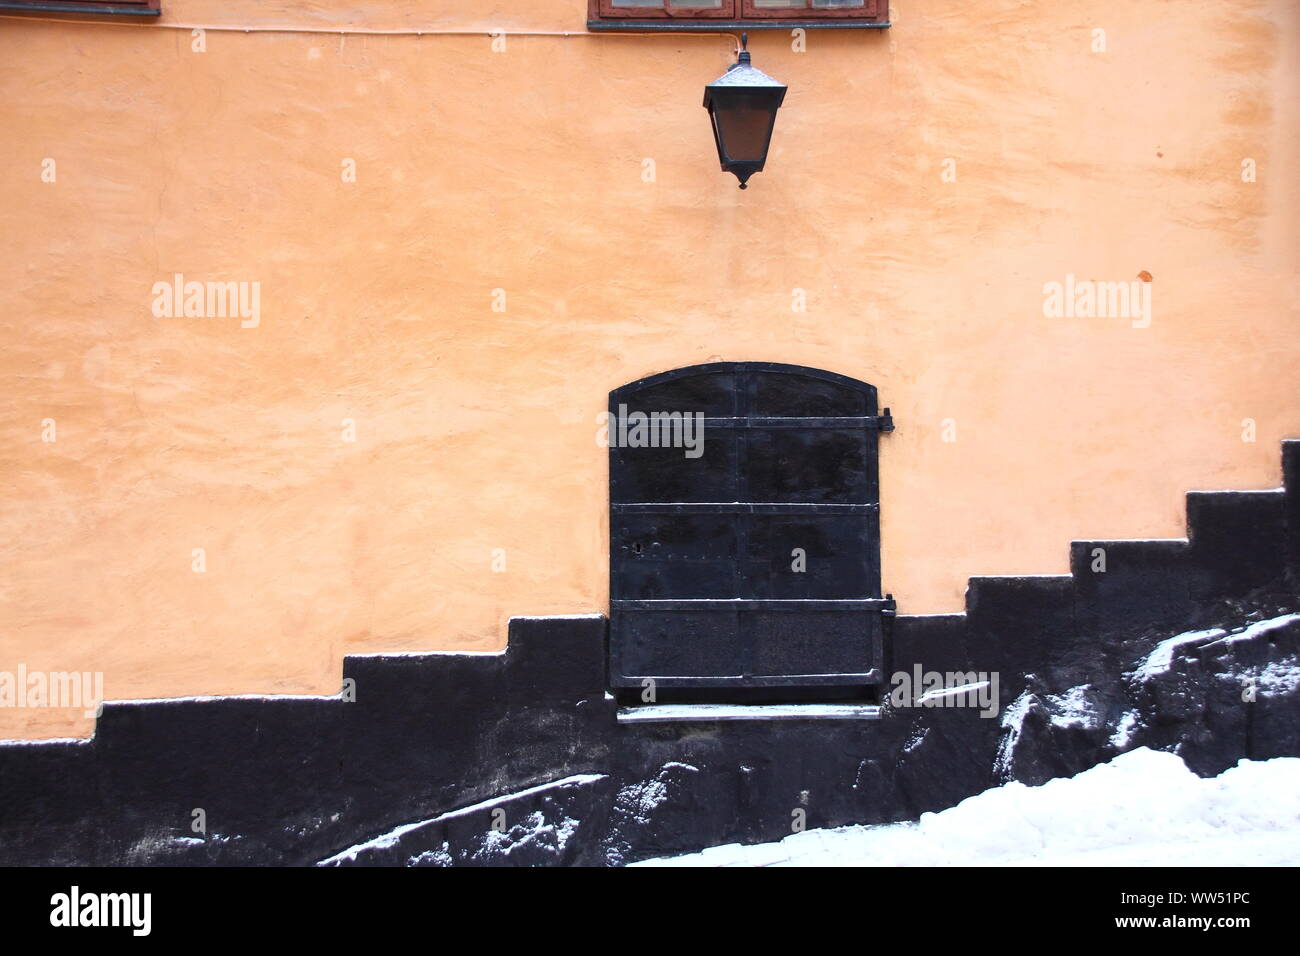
x: 84, y: 8
x: 734, y: 14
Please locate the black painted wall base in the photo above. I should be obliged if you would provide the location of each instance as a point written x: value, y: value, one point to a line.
x: 519, y: 758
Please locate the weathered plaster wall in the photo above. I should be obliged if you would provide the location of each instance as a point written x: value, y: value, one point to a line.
x: 522, y: 170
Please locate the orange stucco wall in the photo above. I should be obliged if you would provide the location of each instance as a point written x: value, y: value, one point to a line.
x: 522, y: 170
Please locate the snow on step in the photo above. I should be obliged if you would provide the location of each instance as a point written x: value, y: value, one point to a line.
x: 1144, y: 807
x: 679, y: 713
x: 1259, y: 629
x: 1162, y: 658
x: 393, y: 837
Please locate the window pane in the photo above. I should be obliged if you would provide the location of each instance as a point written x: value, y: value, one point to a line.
x: 639, y: 3
x: 695, y: 3
x: 838, y: 3
x: 780, y: 3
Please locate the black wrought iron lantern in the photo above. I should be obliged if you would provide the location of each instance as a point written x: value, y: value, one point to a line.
x: 742, y: 105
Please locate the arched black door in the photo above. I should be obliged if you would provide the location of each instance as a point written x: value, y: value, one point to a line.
x: 745, y: 529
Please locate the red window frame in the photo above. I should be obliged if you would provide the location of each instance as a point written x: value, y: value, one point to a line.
x: 751, y: 11
x: 725, y: 11
x: 602, y: 14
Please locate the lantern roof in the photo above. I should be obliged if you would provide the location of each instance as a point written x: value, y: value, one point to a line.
x: 745, y: 75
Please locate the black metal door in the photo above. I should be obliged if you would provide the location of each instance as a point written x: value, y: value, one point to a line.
x: 751, y: 558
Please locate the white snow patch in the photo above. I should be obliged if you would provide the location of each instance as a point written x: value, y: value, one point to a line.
x: 214, y: 698
x: 1275, y: 679
x: 674, y: 713
x: 38, y: 741
x: 1124, y: 730
x: 1074, y: 708
x: 1238, y: 491
x: 590, y: 616
x: 939, y: 693
x: 1258, y: 629
x: 640, y: 800
x: 1101, y: 543
x: 533, y: 829
x: 1013, y: 722
x: 982, y: 578
x: 917, y: 738
x: 1162, y: 658
x: 1143, y: 808
x: 389, y: 839
x: 439, y: 857
x: 382, y: 654
x: 381, y: 842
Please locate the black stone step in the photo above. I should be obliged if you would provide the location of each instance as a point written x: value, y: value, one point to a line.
x: 1291, y: 481
x: 1020, y: 625
x: 1127, y: 587
x: 1238, y: 542
x: 937, y: 642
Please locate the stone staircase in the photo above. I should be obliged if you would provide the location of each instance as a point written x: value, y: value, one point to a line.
x: 412, y: 769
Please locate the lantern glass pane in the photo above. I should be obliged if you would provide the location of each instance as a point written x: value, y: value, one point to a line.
x: 744, y: 127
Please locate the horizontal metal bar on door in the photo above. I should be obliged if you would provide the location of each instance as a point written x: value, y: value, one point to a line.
x: 752, y: 604
x: 714, y: 713
x: 742, y: 507
x: 774, y: 680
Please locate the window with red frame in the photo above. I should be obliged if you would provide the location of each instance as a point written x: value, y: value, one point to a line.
x: 700, y: 14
